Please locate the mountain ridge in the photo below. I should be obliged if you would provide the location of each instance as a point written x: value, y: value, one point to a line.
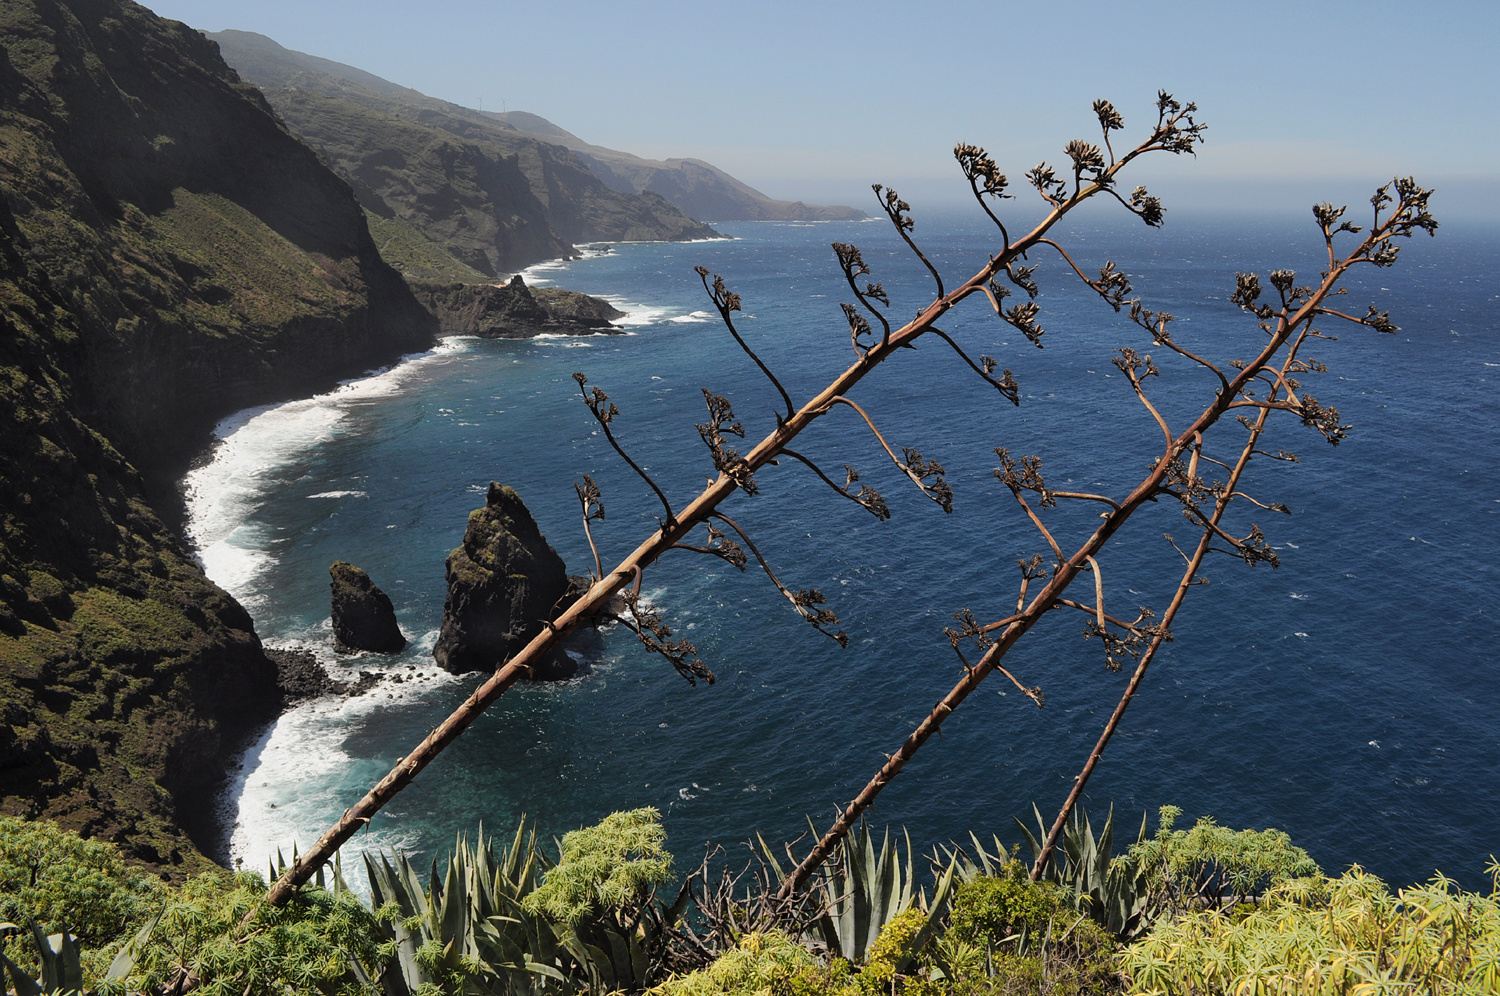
x: 699, y: 189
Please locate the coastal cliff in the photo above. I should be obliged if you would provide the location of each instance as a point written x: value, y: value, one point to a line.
x: 169, y: 253
x: 439, y: 179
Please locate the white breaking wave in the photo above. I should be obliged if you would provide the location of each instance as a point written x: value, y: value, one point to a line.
x: 542, y: 274
x: 245, y: 469
x: 297, y: 773
x: 637, y: 314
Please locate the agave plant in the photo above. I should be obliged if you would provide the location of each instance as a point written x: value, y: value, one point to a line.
x: 864, y: 887
x: 62, y: 968
x: 465, y: 930
x: 1114, y: 892
x: 518, y: 924
x: 983, y: 863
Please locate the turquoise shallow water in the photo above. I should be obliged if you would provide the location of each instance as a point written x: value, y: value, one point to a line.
x: 1348, y: 697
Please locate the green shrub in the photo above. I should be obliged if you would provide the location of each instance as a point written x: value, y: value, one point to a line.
x: 1330, y: 936
x: 892, y: 950
x: 1033, y: 939
x: 1209, y: 864
x: 317, y: 943
x: 610, y: 865
x: 993, y: 908
x: 64, y: 882
x: 769, y: 964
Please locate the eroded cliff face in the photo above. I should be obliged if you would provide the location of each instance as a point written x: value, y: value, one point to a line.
x: 168, y: 254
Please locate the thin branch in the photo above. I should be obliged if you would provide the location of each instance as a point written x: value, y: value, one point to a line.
x: 1006, y: 385
x: 719, y: 545
x: 1098, y: 590
x: 868, y: 498
x: 913, y: 467
x: 593, y: 508
x: 897, y: 210
x: 727, y: 301
x: 981, y: 171
x: 802, y: 600
x: 1084, y: 496
x: 1112, y: 285
x: 853, y: 265
x: 604, y: 412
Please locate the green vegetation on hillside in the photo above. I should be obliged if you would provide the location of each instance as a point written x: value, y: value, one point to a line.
x: 168, y: 254
x: 417, y: 256
x: 600, y: 917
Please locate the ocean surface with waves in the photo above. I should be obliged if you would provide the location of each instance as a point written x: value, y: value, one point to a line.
x: 1350, y: 697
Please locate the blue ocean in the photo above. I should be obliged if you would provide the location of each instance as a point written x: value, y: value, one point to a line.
x: 1350, y: 697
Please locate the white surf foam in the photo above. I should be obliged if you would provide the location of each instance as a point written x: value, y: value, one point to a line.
x: 298, y: 772
x: 247, y: 466
x: 637, y: 314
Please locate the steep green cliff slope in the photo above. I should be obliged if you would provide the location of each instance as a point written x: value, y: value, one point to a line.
x: 168, y: 253
x: 492, y: 197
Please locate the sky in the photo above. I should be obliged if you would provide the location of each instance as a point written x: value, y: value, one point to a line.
x: 814, y: 101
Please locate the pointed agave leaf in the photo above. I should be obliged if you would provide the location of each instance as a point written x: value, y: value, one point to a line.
x: 62, y: 965
x: 24, y: 984
x: 124, y: 961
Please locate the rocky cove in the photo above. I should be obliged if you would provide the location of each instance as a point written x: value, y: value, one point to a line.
x: 171, y: 253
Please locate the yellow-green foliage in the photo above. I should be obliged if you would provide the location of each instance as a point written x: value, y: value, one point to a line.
x: 54, y: 877
x: 606, y: 866
x: 891, y: 950
x: 1011, y: 935
x: 759, y: 965
x: 994, y: 907
x: 303, y: 947
x: 1333, y: 936
x: 61, y: 882
x: 1242, y: 862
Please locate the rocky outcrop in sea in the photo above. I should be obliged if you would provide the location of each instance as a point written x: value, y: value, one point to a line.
x: 513, y: 310
x: 363, y: 618
x: 504, y: 582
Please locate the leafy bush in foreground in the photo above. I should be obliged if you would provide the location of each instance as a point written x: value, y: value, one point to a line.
x: 62, y: 882
x: 511, y: 922
x: 1330, y: 936
x: 318, y: 943
x: 759, y: 965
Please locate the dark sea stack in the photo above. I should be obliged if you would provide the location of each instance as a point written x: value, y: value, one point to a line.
x: 363, y: 618
x: 502, y: 583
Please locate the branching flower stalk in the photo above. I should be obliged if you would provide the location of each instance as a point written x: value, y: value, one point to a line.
x: 1287, y: 329
x: 1176, y: 132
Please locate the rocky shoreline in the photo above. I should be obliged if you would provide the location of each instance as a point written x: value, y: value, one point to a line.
x: 513, y: 310
x: 301, y: 676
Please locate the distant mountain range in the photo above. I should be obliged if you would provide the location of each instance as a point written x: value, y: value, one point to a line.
x: 460, y: 194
